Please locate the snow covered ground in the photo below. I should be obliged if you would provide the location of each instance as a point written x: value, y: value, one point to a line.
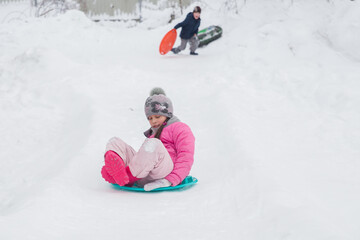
x: 274, y: 105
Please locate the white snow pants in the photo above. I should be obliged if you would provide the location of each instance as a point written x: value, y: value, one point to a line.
x: 151, y: 162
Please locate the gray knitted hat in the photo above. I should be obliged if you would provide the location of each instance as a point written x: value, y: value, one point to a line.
x: 158, y: 104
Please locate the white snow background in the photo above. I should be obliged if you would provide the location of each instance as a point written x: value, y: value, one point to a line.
x: 274, y: 105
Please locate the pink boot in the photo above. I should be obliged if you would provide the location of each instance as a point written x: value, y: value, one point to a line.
x: 107, y: 176
x: 132, y: 179
x: 115, y: 167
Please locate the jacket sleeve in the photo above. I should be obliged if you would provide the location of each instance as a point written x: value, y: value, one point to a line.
x: 197, y: 28
x: 184, y: 142
x: 183, y: 23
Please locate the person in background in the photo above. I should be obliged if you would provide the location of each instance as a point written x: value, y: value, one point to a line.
x: 189, y: 30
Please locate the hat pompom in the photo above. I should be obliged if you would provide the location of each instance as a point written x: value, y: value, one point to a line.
x: 157, y: 91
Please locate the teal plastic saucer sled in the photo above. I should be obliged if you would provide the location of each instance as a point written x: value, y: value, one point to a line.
x: 187, y: 182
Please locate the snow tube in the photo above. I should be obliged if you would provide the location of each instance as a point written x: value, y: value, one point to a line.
x: 188, y: 181
x: 168, y: 42
x: 209, y: 34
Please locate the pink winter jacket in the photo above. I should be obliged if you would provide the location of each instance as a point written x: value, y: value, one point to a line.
x: 180, y: 143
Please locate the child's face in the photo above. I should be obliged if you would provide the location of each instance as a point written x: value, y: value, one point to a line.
x: 156, y: 120
x: 196, y: 15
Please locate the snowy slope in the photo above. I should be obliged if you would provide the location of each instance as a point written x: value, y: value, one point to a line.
x: 274, y: 106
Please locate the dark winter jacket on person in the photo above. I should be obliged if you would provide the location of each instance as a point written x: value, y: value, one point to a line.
x: 190, y: 26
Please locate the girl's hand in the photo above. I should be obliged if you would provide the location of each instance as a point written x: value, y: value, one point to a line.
x: 157, y: 184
